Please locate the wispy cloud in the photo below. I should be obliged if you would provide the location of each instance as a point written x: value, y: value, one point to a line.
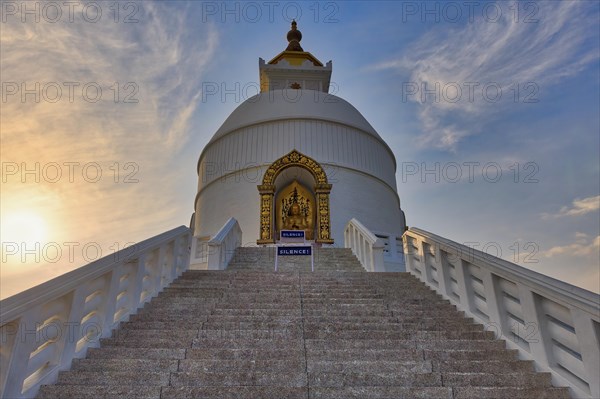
x: 582, y: 247
x: 158, y: 62
x: 578, y: 207
x: 505, y: 56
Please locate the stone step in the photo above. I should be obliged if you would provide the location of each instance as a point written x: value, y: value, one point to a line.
x: 235, y: 392
x: 162, y: 343
x: 150, y: 335
x: 211, y: 325
x: 436, y: 356
x: 248, y: 343
x: 398, y: 335
x: 99, y: 391
x: 449, y: 344
x: 234, y: 378
x: 510, y: 393
x: 163, y: 325
x: 345, y: 379
x: 259, y: 312
x: 137, y: 365
x: 142, y: 352
x: 381, y: 392
x: 267, y: 333
x: 342, y: 355
x: 484, y: 366
x: 246, y: 365
x: 374, y: 366
x: 341, y: 326
x: 260, y: 354
x: 113, y: 378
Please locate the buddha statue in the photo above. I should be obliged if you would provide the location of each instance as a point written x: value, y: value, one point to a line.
x: 295, y: 219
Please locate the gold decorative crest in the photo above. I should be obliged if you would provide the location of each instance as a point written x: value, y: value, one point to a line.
x: 321, y: 193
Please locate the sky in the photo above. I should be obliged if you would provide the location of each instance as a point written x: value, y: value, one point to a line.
x: 491, y: 109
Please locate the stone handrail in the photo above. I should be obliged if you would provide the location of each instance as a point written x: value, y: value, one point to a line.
x: 44, y: 328
x: 555, y: 324
x: 223, y: 245
x: 365, y: 246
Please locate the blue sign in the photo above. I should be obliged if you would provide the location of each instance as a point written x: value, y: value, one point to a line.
x: 292, y: 233
x: 294, y: 251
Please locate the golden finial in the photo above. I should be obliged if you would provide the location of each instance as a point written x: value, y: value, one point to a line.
x: 293, y: 37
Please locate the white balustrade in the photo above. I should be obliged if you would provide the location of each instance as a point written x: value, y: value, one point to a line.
x: 223, y: 245
x: 551, y: 322
x: 365, y: 246
x: 44, y: 328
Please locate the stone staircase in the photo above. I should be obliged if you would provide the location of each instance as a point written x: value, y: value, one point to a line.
x: 248, y: 332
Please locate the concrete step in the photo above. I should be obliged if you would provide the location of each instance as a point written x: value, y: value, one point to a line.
x: 99, y: 391
x: 381, y: 392
x: 510, y: 393
x: 113, y: 378
x: 235, y: 392
x: 346, y: 379
x: 246, y: 365
x: 143, y: 365
x: 142, y: 352
x: 235, y: 378
x: 259, y: 354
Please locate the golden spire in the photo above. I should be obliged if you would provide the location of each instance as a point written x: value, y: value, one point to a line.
x: 293, y: 37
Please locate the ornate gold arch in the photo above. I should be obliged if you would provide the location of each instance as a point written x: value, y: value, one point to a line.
x: 267, y: 192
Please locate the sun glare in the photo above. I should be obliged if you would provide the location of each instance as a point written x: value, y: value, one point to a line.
x: 23, y: 227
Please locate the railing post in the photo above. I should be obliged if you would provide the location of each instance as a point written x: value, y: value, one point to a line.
x: 162, y: 253
x: 492, y: 299
x: 214, y: 256
x: 174, y: 262
x: 407, y: 247
x: 421, y: 262
x: 111, y: 303
x: 531, y: 312
x: 139, y: 280
x: 377, y: 256
x: 19, y: 361
x: 442, y: 272
x: 588, y: 332
x: 73, y: 319
x: 463, y: 286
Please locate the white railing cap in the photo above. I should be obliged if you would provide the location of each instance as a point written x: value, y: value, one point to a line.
x: 14, y: 305
x: 223, y: 232
x: 576, y: 296
x: 372, y: 238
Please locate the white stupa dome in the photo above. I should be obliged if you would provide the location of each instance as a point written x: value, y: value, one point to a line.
x: 296, y: 104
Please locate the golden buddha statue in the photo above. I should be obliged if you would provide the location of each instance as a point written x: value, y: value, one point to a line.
x: 295, y: 220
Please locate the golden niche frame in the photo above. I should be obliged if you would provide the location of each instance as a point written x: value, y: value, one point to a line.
x: 295, y: 193
x: 267, y: 193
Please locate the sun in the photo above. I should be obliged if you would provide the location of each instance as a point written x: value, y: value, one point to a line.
x: 23, y: 227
